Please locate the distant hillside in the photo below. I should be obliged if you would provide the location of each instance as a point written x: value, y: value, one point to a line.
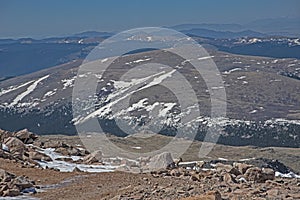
x: 222, y: 34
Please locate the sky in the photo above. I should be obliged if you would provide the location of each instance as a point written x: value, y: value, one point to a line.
x: 41, y: 18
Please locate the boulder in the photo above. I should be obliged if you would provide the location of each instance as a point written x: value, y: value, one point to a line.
x: 15, y: 146
x: 253, y: 174
x: 160, y: 161
x: 35, y: 155
x: 129, y: 163
x: 5, y: 176
x: 25, y: 136
x: 22, y: 183
x: 62, y: 150
x: 222, y: 167
x: 228, y: 178
x: 11, y: 193
x: 227, y: 168
x: 12, y: 185
x: 53, y: 144
x: 242, y: 167
x: 92, y: 158
x: 259, y: 175
x: 268, y: 174
x: 76, y: 169
x: 71, y: 151
x: 200, y: 163
x: 4, y: 135
x: 175, y: 172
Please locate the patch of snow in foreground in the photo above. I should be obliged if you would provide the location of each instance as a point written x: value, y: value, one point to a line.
x: 288, y: 175
x: 4, y: 147
x: 69, y: 167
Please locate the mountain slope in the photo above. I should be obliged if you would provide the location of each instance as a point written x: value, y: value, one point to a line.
x: 263, y: 107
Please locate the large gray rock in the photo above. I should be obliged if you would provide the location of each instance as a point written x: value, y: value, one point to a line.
x: 160, y: 161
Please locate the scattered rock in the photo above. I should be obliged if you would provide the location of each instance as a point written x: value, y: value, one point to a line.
x: 212, y: 195
x: 12, y: 185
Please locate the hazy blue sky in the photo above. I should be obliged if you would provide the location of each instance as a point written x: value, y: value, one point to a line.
x: 39, y: 18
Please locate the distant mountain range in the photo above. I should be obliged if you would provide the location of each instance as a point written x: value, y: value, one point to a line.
x: 26, y: 55
x: 289, y: 27
x: 222, y: 34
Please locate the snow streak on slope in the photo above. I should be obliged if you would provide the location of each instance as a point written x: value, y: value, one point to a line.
x: 124, y: 90
x: 13, y: 88
x: 29, y: 90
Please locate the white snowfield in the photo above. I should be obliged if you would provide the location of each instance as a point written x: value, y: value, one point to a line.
x: 288, y: 175
x: 13, y: 88
x: 69, y: 167
x: 138, y: 61
x: 68, y: 82
x: 124, y: 89
x: 29, y: 90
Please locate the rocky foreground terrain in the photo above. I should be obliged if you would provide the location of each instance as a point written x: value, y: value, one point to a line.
x: 49, y: 168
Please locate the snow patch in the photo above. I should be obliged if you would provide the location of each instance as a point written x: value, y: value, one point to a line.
x: 13, y: 88
x: 68, y: 82
x: 69, y: 167
x: 138, y: 61
x: 253, y: 111
x: 29, y: 90
x: 205, y: 58
x: 288, y: 175
x: 232, y: 70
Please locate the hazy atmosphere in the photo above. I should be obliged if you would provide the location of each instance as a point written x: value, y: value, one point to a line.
x: 38, y: 19
x: 147, y: 100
